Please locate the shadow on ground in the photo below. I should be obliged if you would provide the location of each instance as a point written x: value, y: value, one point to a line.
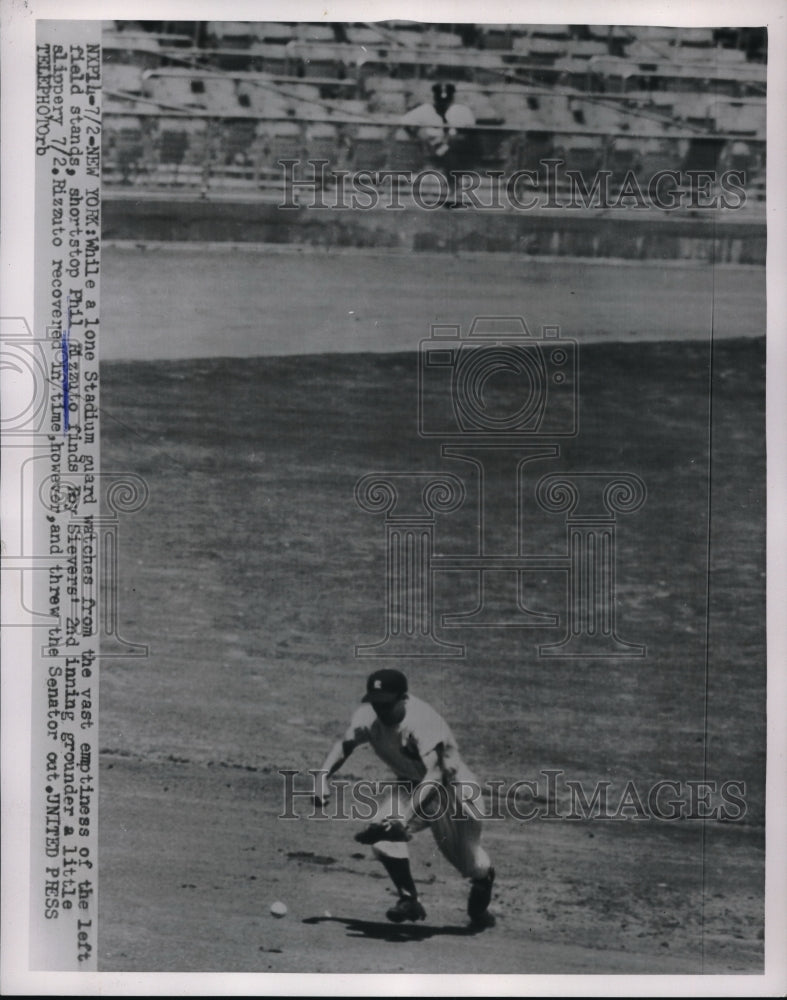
x: 379, y: 931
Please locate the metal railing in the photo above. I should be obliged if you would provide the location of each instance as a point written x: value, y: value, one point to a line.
x: 203, y: 152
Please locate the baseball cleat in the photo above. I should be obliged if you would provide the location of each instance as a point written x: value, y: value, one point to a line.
x: 480, y: 897
x: 407, y: 908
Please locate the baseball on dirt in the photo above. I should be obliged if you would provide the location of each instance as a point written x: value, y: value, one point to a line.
x: 279, y: 909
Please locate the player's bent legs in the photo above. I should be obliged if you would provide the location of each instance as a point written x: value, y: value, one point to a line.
x: 459, y: 840
x: 458, y: 835
x: 391, y: 806
x: 395, y: 858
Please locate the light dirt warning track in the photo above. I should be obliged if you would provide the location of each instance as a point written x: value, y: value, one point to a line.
x: 190, y: 302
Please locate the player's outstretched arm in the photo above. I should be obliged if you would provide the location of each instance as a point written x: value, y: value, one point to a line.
x: 337, y: 755
x: 397, y: 829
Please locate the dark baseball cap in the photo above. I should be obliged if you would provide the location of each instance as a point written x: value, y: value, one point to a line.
x: 385, y: 686
x: 443, y: 91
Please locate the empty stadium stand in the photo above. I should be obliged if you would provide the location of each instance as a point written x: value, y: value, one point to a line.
x: 212, y: 105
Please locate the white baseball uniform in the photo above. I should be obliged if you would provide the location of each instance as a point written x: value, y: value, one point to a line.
x: 426, y: 116
x: 436, y: 131
x: 456, y: 829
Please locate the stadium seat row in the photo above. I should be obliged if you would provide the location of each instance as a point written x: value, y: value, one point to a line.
x: 502, y: 36
x: 143, y: 146
x: 387, y: 98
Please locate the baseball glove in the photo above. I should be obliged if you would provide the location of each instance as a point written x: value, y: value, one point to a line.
x: 389, y: 829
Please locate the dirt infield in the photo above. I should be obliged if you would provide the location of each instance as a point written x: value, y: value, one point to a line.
x: 252, y: 574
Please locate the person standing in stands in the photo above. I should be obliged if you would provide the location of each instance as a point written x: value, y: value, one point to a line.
x: 445, y: 129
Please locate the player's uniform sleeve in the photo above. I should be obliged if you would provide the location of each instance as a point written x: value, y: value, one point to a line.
x: 460, y: 116
x: 429, y: 731
x: 433, y: 735
x: 358, y: 730
x: 424, y: 114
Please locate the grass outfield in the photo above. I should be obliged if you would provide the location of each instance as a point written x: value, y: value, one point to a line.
x: 252, y: 575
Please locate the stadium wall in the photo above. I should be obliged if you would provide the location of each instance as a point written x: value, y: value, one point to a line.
x: 623, y: 233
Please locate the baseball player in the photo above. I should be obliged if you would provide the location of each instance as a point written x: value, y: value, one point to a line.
x: 433, y: 786
x: 437, y: 122
x: 442, y: 128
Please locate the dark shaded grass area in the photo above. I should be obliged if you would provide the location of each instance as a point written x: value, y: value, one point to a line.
x: 253, y: 574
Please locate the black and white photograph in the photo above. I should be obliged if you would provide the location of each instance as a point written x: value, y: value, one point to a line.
x: 389, y: 520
